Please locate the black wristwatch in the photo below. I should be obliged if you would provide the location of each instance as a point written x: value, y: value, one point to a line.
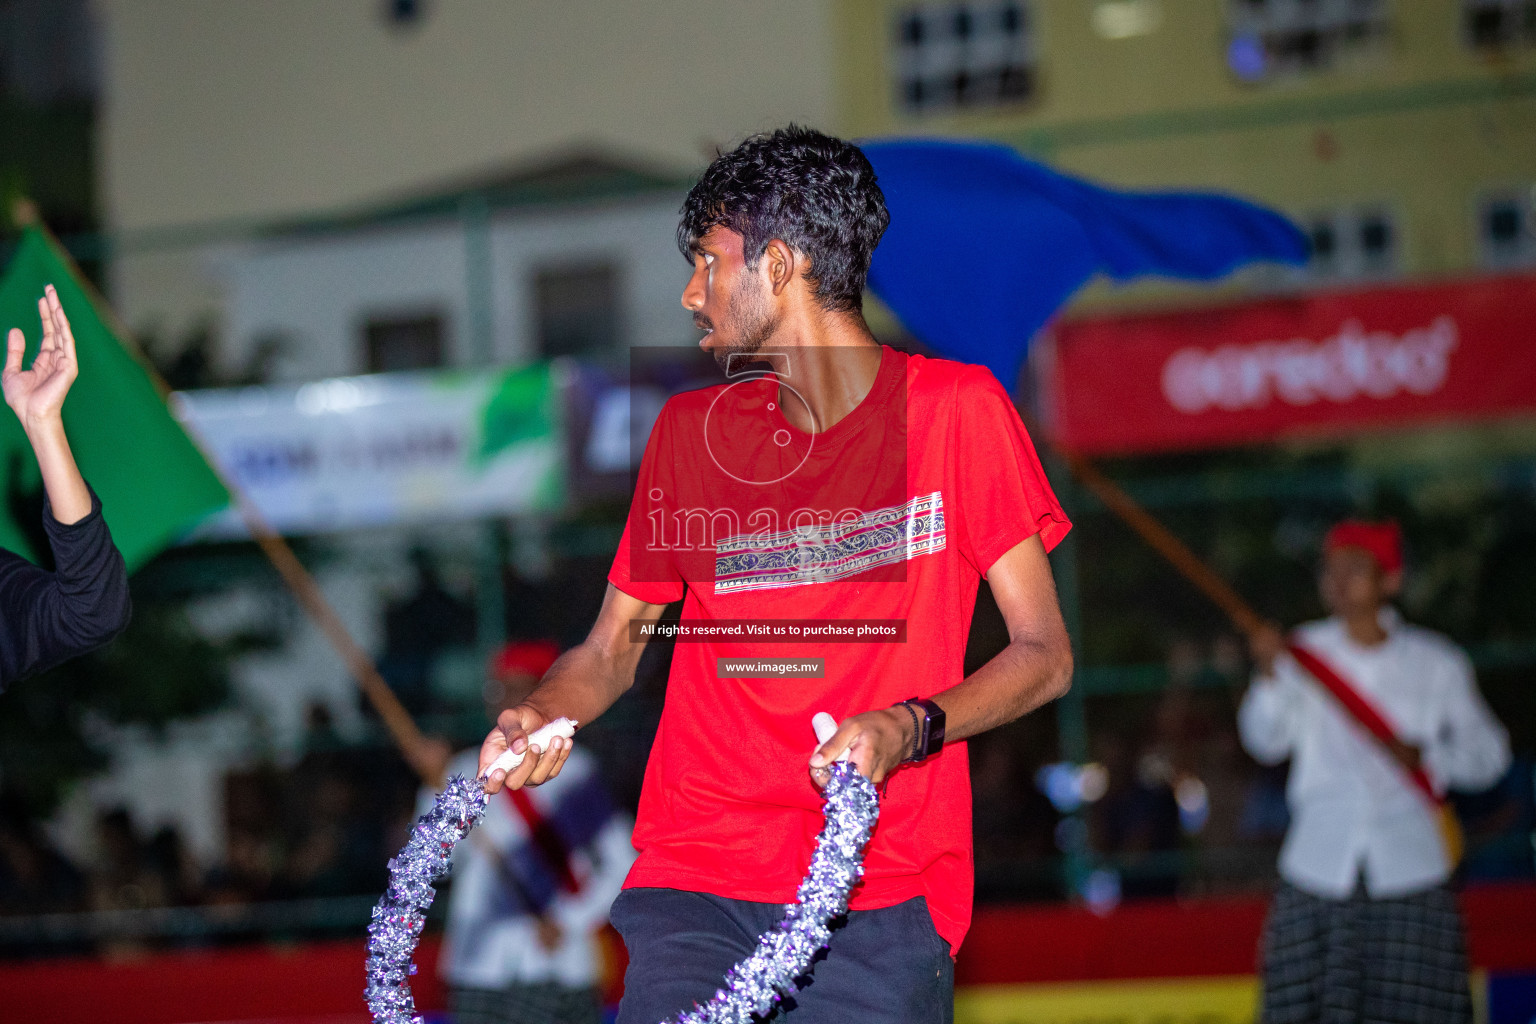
x: 928, y: 731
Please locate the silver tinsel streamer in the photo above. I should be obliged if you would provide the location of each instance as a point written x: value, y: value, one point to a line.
x: 401, y: 912
x: 752, y: 987
x: 784, y: 952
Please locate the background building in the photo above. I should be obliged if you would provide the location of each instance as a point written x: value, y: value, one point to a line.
x: 313, y: 190
x: 1401, y: 135
x: 450, y: 194
x: 573, y: 257
x: 217, y: 117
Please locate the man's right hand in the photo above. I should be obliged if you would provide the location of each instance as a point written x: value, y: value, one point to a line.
x: 511, y: 733
x: 36, y: 395
x: 1266, y: 644
x: 581, y: 685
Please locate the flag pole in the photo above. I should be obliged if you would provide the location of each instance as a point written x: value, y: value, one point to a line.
x: 1152, y: 532
x: 1242, y: 614
x: 1162, y: 540
x: 397, y: 720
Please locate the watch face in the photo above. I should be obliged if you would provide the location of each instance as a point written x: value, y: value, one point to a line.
x: 933, y: 728
x: 936, y: 733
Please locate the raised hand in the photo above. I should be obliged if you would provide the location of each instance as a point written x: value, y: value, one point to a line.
x: 1265, y: 644
x: 36, y: 395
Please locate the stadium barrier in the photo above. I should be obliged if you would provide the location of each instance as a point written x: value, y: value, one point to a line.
x: 1162, y: 961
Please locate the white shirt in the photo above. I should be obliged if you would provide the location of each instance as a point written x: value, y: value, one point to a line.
x: 484, y: 946
x: 1354, y: 811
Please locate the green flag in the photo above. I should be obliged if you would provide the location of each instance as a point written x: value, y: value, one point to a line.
x: 153, y: 482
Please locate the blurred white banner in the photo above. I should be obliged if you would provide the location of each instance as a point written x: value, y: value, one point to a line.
x: 391, y: 448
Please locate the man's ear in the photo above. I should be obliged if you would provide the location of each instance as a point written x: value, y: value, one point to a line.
x: 782, y: 264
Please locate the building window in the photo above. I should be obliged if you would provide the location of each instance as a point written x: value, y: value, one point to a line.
x: 1352, y: 243
x: 1495, y: 24
x: 404, y: 13
x: 1378, y: 242
x: 1276, y: 38
x: 403, y: 343
x: 1506, y: 228
x: 577, y: 309
x: 951, y: 55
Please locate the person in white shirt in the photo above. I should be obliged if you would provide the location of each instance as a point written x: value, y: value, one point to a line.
x: 532, y: 884
x: 1364, y: 926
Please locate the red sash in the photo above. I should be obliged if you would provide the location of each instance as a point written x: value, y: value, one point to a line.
x: 1364, y: 712
x: 545, y: 839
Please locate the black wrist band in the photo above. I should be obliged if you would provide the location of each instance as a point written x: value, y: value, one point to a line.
x: 930, y: 729
x: 917, y: 731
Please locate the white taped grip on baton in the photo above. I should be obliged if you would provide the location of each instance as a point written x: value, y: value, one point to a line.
x: 537, y: 742
x: 826, y: 727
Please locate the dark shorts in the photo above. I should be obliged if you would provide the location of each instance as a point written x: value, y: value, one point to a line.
x: 885, y: 966
x: 532, y: 1003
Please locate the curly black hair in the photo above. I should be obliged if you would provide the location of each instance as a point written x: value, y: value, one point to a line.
x: 812, y: 191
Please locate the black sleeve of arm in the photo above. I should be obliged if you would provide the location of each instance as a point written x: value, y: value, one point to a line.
x: 47, y: 618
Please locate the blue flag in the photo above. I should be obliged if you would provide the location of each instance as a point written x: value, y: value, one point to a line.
x: 985, y: 246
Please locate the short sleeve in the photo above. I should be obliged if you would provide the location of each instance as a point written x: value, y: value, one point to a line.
x: 644, y: 567
x: 1002, y: 494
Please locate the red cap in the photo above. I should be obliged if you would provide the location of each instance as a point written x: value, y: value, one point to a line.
x: 524, y: 658
x: 1382, y: 541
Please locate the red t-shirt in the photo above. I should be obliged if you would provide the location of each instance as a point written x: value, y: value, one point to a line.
x: 894, y: 513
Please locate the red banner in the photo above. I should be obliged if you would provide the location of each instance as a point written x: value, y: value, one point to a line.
x: 1329, y: 363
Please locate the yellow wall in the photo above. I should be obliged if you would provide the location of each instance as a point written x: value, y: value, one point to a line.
x: 1231, y: 1000
x: 232, y: 109
x: 1426, y: 125
x: 1214, y: 1000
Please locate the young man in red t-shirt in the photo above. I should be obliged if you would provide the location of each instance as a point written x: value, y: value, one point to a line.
x: 830, y: 481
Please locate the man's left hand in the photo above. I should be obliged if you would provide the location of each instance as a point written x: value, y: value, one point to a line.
x: 550, y: 934
x: 877, y: 743
x: 1408, y: 755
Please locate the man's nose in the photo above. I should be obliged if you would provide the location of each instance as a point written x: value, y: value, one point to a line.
x: 693, y: 294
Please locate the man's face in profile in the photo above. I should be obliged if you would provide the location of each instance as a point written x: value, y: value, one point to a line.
x: 729, y: 301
